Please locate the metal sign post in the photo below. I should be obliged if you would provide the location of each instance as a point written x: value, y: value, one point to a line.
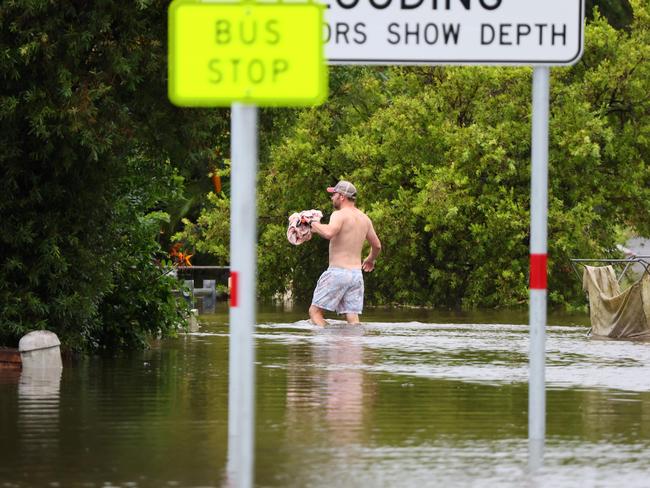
x: 538, y: 250
x: 243, y: 240
x: 247, y: 54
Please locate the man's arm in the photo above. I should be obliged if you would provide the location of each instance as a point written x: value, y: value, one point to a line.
x: 375, y: 246
x: 330, y: 230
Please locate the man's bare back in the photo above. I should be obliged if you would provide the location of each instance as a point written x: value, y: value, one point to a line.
x: 346, y: 246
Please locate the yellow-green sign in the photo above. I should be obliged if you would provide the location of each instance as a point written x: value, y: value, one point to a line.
x: 258, y: 53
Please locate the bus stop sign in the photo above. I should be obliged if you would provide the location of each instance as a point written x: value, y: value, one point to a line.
x: 254, y: 53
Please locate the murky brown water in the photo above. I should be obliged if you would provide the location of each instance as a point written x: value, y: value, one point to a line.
x: 412, y: 398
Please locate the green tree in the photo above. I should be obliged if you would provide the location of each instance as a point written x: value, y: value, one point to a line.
x: 441, y: 158
x: 618, y: 14
x: 89, y: 150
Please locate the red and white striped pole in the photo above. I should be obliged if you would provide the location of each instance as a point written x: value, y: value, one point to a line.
x: 538, y: 256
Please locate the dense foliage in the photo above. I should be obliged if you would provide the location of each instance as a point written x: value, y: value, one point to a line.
x: 96, y: 162
x: 618, y: 13
x: 441, y: 158
x: 89, y: 145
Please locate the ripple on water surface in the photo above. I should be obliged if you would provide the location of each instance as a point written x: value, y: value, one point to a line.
x: 493, y: 353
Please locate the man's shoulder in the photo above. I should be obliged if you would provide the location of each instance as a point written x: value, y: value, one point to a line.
x: 351, y: 213
x: 358, y: 218
x: 362, y: 214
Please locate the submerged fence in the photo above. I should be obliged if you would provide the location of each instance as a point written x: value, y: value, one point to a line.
x: 205, y: 285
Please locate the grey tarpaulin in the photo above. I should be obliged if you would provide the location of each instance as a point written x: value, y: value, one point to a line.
x: 615, y: 313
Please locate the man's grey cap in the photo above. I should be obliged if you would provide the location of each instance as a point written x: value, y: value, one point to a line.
x: 345, y: 188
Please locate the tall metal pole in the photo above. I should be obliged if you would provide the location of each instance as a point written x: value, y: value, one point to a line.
x: 538, y: 254
x: 243, y: 239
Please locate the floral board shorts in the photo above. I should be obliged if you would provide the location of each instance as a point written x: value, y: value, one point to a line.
x: 340, y: 290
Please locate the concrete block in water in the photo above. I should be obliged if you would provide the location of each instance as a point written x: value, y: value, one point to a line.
x: 194, y: 320
x: 40, y: 349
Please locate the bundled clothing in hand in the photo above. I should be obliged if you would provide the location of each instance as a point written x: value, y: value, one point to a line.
x: 299, y: 229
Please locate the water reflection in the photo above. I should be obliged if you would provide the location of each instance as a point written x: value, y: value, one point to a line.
x: 40, y: 386
x: 331, y: 390
x: 407, y: 404
x: 400, y: 404
x: 535, y: 455
x: 38, y: 416
x: 340, y: 357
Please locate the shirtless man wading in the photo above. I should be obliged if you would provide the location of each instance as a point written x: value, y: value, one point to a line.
x: 340, y: 287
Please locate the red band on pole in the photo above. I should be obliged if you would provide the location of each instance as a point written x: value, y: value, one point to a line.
x: 234, y: 288
x: 538, y: 271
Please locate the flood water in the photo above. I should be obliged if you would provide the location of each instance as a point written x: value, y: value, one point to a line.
x: 412, y: 398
